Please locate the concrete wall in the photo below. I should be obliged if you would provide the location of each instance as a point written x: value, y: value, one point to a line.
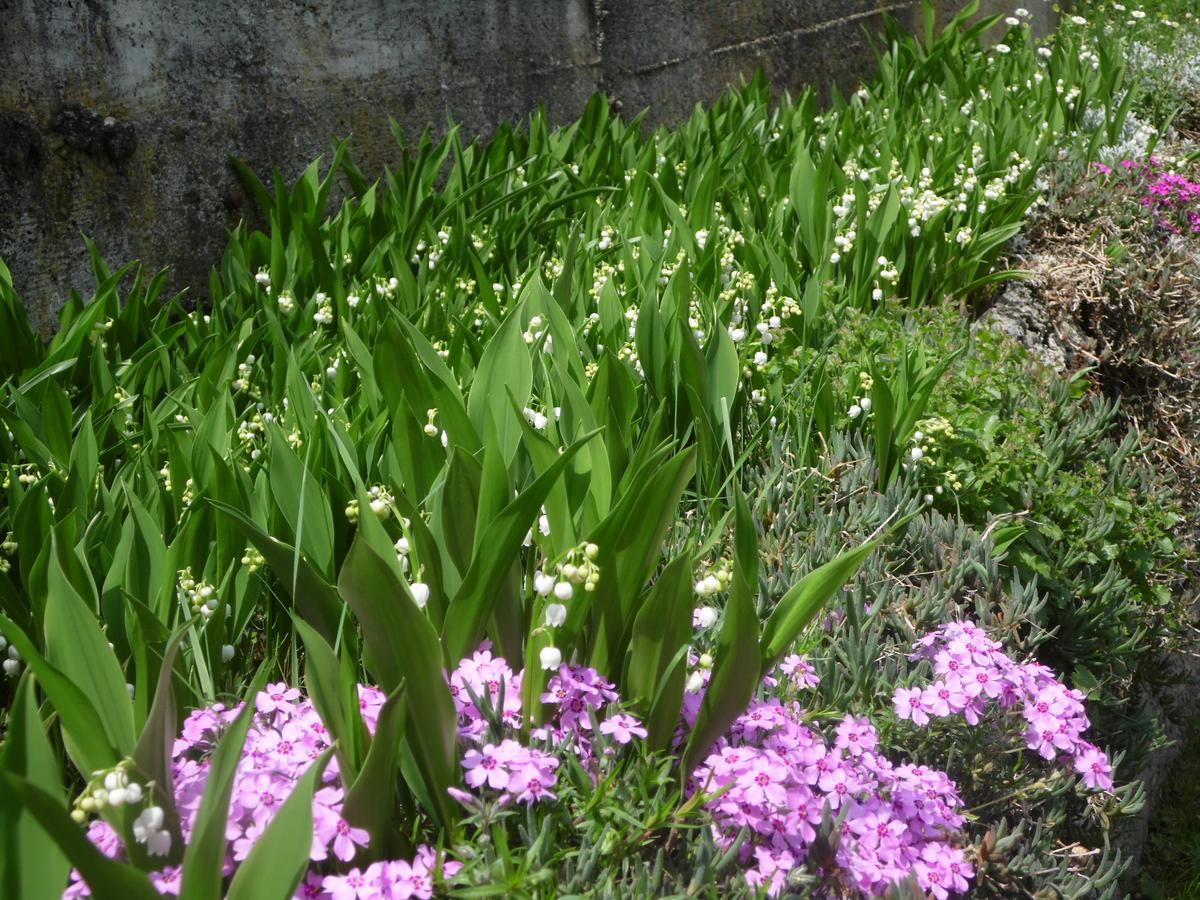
x: 117, y: 117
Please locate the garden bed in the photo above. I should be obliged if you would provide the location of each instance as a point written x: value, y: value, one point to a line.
x: 595, y: 511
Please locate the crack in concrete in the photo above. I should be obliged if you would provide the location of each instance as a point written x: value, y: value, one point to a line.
x: 768, y: 39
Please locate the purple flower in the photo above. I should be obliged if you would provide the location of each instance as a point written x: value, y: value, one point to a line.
x: 622, y: 728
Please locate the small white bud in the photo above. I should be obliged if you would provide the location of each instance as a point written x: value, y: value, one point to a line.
x: 420, y: 593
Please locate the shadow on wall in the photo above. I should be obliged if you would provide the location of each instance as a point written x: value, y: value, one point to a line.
x: 117, y: 119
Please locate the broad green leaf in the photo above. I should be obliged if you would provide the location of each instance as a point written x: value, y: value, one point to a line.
x: 663, y: 625
x: 299, y: 496
x: 504, y: 370
x: 402, y: 647
x: 84, y: 734
x: 800, y: 605
x: 27, y: 753
x: 314, y: 598
x: 106, y: 877
x: 322, y: 678
x: 75, y: 645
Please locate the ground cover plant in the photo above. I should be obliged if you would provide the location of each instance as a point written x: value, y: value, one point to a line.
x: 590, y: 510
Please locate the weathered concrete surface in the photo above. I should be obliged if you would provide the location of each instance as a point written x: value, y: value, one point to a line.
x: 117, y: 117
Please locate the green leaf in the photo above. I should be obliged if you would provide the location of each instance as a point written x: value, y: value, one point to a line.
x: 84, y: 734
x: 800, y: 605
x: 75, y: 644
x: 735, y: 671
x: 504, y: 370
x: 154, y: 750
x: 374, y: 796
x: 473, y: 603
x: 402, y: 647
x: 322, y: 677
x: 304, y: 504
x: 205, y: 851
x: 279, y: 859
x: 106, y: 877
x: 314, y: 597
x: 663, y: 625
x: 27, y: 753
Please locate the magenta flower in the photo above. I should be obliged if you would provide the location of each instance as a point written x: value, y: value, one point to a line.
x: 487, y: 766
x: 622, y: 728
x: 1093, y: 765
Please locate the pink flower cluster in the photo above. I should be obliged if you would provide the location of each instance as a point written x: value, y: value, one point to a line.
x: 1173, y: 198
x: 974, y: 674
x: 286, y: 735
x: 495, y: 761
x: 390, y: 880
x: 777, y: 777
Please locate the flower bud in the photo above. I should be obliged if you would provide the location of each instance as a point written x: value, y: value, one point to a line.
x: 420, y: 593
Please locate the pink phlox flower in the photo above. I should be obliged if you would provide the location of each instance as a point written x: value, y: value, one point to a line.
x: 488, y: 766
x: 354, y: 885
x: 276, y: 697
x: 856, y: 736
x: 622, y: 728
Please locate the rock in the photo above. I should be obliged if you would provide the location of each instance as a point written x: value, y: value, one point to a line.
x: 1019, y: 311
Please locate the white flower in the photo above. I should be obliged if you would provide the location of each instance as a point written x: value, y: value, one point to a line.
x: 706, y: 616
x: 760, y: 358
x: 916, y: 453
x: 835, y: 257
x: 694, y: 683
x: 550, y: 658
x: 148, y: 830
x: 854, y: 411
x: 556, y: 614
x: 402, y: 547
x: 1079, y: 20
x: 420, y: 593
x: 11, y: 667
x: 544, y: 524
x: 352, y: 300
x: 379, y: 506
x: 865, y: 403
x: 542, y: 584
x: 227, y: 653
x: 1012, y: 21
x: 737, y: 334
x: 1004, y: 48
x: 564, y: 591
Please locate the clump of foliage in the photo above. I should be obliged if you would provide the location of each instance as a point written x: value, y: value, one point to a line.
x: 490, y: 439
